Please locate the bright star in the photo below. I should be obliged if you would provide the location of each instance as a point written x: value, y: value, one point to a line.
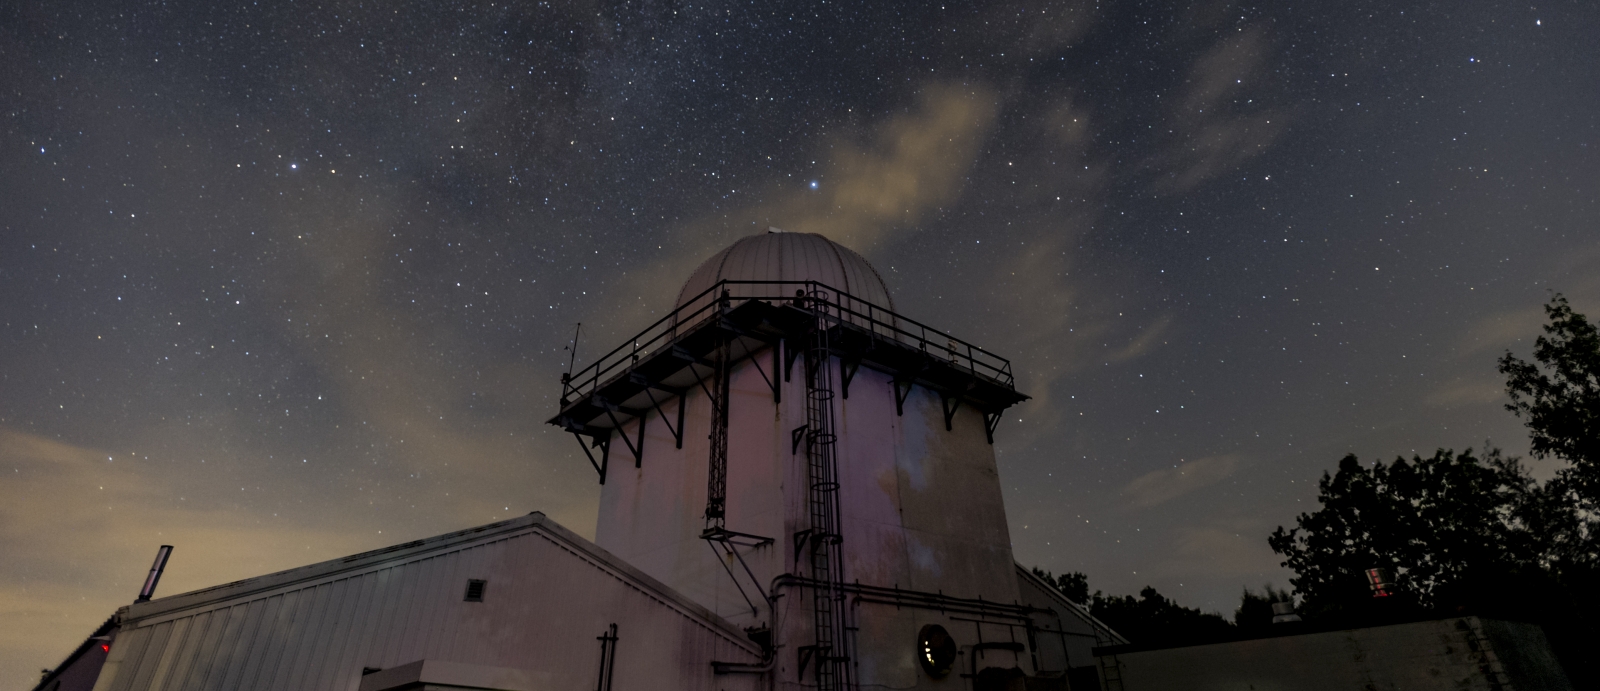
x: 813, y: 184
x: 294, y: 166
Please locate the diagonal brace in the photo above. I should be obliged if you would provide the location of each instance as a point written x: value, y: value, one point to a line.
x: 847, y: 372
x: 638, y: 451
x: 772, y: 382
x: 950, y: 404
x: 677, y: 432
x: 605, y: 454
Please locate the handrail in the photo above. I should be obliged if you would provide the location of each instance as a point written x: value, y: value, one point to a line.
x: 845, y: 308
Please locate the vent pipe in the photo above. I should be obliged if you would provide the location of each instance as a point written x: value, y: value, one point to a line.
x: 155, y: 573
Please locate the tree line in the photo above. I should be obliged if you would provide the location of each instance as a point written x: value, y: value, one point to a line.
x: 1457, y: 533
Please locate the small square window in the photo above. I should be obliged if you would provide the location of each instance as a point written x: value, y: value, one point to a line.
x: 475, y: 590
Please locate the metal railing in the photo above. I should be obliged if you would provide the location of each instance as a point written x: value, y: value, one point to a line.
x: 728, y: 294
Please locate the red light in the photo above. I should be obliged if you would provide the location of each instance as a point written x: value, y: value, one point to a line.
x: 105, y: 647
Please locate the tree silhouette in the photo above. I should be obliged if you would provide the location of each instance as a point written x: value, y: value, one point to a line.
x: 1255, y: 610
x: 1560, y: 401
x: 1448, y: 527
x: 1148, y: 618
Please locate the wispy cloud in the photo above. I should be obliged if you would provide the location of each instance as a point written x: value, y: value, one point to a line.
x: 1167, y: 484
x: 1468, y: 393
x: 908, y: 166
x: 1218, y: 122
x: 876, y: 188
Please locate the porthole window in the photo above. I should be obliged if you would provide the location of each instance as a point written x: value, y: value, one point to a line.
x: 936, y: 650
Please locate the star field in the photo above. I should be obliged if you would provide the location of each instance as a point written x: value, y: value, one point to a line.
x: 280, y: 282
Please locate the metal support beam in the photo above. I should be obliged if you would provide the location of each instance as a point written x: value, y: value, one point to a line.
x: 677, y: 432
x: 608, y: 658
x: 772, y: 382
x: 777, y: 362
x: 795, y: 436
x: 902, y: 390
x: 605, y: 454
x: 789, y: 356
x: 950, y: 405
x: 686, y: 356
x: 800, y: 540
x: 638, y: 451
x: 724, y: 562
x: 990, y: 422
x: 730, y: 541
x: 847, y: 372
x: 683, y: 402
x: 638, y: 456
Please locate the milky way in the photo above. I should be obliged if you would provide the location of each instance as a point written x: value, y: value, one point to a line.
x: 284, y: 281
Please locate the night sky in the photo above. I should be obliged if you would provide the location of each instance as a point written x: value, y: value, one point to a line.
x: 283, y: 281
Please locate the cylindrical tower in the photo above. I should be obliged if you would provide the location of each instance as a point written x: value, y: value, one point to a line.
x: 790, y: 452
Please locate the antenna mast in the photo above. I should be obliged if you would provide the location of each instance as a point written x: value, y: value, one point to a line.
x: 572, y: 359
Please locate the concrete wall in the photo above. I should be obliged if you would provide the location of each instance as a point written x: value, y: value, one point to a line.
x: 921, y: 509
x: 652, y: 516
x: 549, y: 595
x: 1455, y: 654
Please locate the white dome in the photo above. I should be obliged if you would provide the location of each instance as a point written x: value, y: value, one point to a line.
x: 779, y: 256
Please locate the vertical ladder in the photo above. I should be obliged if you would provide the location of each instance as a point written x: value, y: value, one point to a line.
x: 1110, y: 666
x: 822, y: 469
x: 717, y: 478
x: 1111, y: 672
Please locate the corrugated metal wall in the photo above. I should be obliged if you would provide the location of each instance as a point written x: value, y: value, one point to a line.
x: 545, y: 603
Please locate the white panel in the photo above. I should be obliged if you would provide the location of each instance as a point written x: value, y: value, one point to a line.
x: 330, y: 665
x: 235, y: 652
x: 261, y: 643
x: 136, y: 642
x: 367, y: 609
x: 296, y: 607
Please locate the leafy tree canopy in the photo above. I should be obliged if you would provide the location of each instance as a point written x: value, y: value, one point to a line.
x: 1074, y: 585
x: 1559, y: 399
x: 1445, y: 526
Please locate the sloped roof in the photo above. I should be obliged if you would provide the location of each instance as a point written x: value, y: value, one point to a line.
x: 1061, y: 601
x: 365, y: 561
x: 548, y: 592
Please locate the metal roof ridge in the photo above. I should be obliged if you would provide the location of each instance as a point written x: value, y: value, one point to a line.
x: 137, y: 614
x: 298, y: 574
x: 659, y: 590
x: 1080, y: 608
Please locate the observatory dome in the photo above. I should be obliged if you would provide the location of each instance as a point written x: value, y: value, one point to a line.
x: 779, y: 256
